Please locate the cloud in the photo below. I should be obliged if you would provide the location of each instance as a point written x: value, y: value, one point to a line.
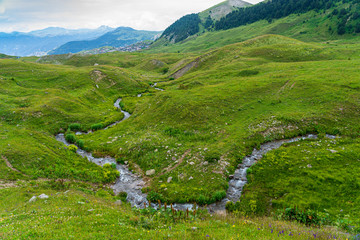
x: 25, y: 15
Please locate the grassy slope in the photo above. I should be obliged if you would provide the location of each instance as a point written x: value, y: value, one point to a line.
x: 238, y: 97
x: 41, y: 100
x: 75, y: 214
x: 328, y: 168
x: 308, y: 27
x: 218, y: 110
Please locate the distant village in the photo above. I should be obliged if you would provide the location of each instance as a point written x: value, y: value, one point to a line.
x: 131, y: 48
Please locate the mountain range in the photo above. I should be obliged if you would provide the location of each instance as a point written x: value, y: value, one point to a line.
x: 120, y: 37
x: 40, y: 42
x: 60, y: 40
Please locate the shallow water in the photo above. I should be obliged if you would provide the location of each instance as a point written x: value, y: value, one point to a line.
x: 127, y: 181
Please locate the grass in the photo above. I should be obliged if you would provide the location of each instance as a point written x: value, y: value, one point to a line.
x: 309, y: 27
x: 214, y: 108
x: 329, y: 168
x: 196, y: 131
x: 78, y: 213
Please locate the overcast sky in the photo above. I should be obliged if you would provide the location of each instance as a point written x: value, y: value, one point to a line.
x: 27, y: 15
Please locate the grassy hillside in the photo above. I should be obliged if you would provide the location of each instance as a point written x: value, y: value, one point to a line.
x: 309, y: 27
x: 217, y: 106
x: 235, y: 98
x: 41, y: 100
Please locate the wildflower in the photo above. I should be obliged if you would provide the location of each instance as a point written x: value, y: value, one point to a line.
x: 207, y: 236
x: 271, y: 231
x: 233, y: 225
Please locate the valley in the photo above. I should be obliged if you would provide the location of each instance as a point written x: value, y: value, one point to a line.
x: 246, y: 133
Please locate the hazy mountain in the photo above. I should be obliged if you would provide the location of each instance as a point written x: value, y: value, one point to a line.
x: 42, y: 41
x: 120, y: 37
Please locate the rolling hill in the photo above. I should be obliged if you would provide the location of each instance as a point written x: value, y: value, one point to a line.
x: 199, y: 108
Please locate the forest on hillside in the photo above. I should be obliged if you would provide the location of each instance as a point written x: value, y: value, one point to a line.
x: 183, y: 28
x: 276, y: 9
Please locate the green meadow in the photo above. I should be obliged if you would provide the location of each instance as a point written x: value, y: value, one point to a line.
x: 218, y: 105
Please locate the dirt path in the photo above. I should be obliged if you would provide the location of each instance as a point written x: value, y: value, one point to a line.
x: 169, y: 169
x: 9, y: 164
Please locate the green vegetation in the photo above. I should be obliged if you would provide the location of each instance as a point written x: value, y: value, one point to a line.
x: 269, y: 10
x: 329, y: 168
x: 79, y: 211
x: 222, y: 99
x: 182, y: 28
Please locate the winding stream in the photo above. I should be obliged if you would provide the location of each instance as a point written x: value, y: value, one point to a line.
x: 127, y: 182
x: 132, y: 183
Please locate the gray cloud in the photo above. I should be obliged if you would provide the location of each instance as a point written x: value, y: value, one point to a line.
x: 25, y: 15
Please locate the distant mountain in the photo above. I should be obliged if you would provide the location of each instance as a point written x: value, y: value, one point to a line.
x: 40, y: 42
x: 120, y: 37
x: 56, y: 31
x: 194, y: 23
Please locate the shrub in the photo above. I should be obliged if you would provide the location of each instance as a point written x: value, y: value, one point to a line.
x: 155, y: 197
x: 73, y: 148
x: 110, y: 174
x: 122, y: 196
x: 80, y: 143
x: 219, y: 195
x: 212, y: 156
x: 113, y: 165
x: 75, y: 127
x: 202, y: 200
x: 308, y: 217
x: 232, y: 207
x: 247, y: 73
x: 96, y: 126
x: 70, y: 138
x: 164, y: 70
x: 120, y: 160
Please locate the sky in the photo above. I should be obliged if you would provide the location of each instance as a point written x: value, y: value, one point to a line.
x: 28, y: 15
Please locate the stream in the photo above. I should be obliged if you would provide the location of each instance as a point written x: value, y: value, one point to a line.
x: 132, y: 184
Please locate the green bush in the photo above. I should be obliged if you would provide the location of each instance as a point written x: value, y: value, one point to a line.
x: 164, y: 70
x: 75, y: 127
x: 308, y: 217
x: 120, y: 160
x: 232, y: 207
x: 212, y: 156
x: 80, y: 143
x: 70, y: 138
x: 113, y: 165
x: 202, y: 200
x: 155, y: 197
x: 247, y: 73
x: 218, y: 196
x: 96, y: 126
x: 73, y: 148
x: 122, y: 196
